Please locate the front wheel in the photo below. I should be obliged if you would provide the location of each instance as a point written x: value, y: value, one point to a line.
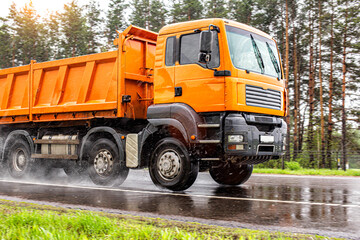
x: 171, y: 166
x: 228, y: 173
x: 106, y: 167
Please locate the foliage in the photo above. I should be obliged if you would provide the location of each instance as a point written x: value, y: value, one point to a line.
x: 74, y: 29
x: 31, y: 221
x: 140, y: 13
x: 216, y: 9
x: 28, y: 34
x: 320, y: 172
x: 94, y: 22
x: 293, y: 165
x: 115, y: 19
x: 241, y: 11
x: 157, y: 18
x: 5, y: 44
x: 148, y: 14
x: 186, y: 10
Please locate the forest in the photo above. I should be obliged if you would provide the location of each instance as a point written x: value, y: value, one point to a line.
x: 318, y: 41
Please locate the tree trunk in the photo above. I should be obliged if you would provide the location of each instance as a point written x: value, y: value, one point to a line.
x: 331, y: 89
x: 287, y: 118
x: 343, y: 111
x: 296, y: 98
x: 310, y: 139
x: 322, y: 130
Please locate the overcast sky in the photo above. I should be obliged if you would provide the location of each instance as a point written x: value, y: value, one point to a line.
x: 43, y: 6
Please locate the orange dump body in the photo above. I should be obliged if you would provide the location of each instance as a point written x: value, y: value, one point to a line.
x: 86, y: 87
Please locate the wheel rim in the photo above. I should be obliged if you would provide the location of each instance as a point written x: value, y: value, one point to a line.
x: 169, y: 165
x: 103, y: 162
x: 19, y: 160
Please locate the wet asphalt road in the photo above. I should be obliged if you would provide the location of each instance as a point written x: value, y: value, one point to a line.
x: 328, y: 206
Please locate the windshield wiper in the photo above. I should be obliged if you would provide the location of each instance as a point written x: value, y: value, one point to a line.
x: 273, y: 60
x: 258, y: 55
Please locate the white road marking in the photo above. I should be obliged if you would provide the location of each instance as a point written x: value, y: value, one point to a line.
x: 186, y: 195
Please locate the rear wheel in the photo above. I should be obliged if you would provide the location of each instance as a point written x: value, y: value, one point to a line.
x: 19, y: 159
x: 171, y: 166
x: 228, y: 173
x: 106, y: 167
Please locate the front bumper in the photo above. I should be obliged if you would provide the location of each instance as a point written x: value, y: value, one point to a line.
x: 262, y: 135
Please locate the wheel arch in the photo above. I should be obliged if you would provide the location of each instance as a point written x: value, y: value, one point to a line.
x: 152, y: 134
x: 101, y: 132
x: 178, y: 115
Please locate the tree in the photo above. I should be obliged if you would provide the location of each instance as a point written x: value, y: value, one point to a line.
x: 140, y: 13
x: 241, y: 11
x: 186, y: 10
x: 52, y: 25
x: 74, y: 30
x: 296, y: 100
x: 216, y: 9
x: 5, y: 44
x: 266, y: 17
x: 93, y: 21
x: 149, y: 14
x: 115, y: 19
x: 329, y: 138
x: 287, y: 72
x: 322, y: 122
x: 28, y: 34
x: 348, y: 27
x: 311, y: 135
x: 157, y: 16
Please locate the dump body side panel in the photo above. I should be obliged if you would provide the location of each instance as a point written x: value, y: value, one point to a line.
x: 14, y: 93
x: 83, y: 87
x: 75, y: 86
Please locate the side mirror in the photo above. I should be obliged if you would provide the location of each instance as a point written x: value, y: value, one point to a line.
x: 206, y: 41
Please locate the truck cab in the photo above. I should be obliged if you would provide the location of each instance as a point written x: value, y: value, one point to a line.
x: 219, y: 88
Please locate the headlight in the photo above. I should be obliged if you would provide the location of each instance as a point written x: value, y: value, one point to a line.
x: 235, y: 138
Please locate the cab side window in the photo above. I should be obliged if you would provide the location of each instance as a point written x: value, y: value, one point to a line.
x: 190, y: 49
x: 170, y: 51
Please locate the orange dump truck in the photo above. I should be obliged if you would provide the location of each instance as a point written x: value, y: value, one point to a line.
x: 201, y: 95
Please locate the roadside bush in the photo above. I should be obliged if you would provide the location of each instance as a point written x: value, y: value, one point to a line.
x: 273, y: 163
x: 293, y: 165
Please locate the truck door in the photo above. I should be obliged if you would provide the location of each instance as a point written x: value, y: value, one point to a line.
x: 196, y: 85
x: 164, y: 75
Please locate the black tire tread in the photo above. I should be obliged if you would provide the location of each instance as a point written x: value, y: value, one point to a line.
x: 231, y: 174
x: 190, y: 168
x: 120, y: 171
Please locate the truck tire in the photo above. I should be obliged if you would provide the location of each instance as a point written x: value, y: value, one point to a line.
x: 105, y: 166
x: 231, y: 174
x: 18, y: 159
x: 171, y: 166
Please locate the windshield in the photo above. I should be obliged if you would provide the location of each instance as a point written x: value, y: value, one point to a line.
x: 252, y: 52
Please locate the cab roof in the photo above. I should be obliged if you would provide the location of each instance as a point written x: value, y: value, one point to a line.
x: 196, y: 24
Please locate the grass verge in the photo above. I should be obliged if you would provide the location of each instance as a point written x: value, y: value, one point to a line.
x: 32, y: 221
x: 321, y: 172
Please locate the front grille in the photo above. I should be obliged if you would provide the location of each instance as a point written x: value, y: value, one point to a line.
x: 259, y: 97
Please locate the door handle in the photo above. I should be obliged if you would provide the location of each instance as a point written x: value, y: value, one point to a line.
x: 178, y: 91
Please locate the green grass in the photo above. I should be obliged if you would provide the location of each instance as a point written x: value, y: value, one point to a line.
x: 31, y: 221
x: 322, y: 172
